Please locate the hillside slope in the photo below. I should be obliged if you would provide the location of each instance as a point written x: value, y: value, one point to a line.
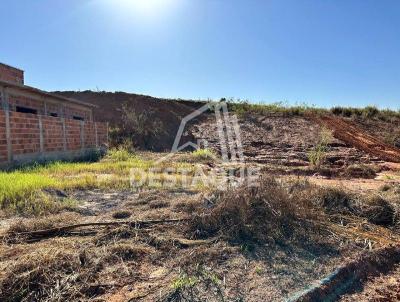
x: 150, y: 113
x: 267, y: 139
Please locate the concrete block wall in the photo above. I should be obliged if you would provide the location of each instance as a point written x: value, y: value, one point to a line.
x: 28, y: 137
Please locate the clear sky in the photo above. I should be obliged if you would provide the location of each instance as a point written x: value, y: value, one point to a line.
x: 322, y: 52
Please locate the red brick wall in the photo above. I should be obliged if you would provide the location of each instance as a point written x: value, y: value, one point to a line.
x: 15, y: 101
x: 70, y: 112
x: 73, y: 129
x: 10, y: 74
x: 61, y: 109
x: 89, y: 134
x: 25, y: 134
x: 53, y: 139
x: 54, y: 108
x: 102, y: 133
x: 3, y: 139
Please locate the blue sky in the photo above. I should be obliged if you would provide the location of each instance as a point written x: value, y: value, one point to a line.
x: 322, y: 52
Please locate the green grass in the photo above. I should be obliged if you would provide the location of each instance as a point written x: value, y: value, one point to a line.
x: 369, y: 112
x: 23, y: 191
x: 317, y: 155
x: 203, y: 154
x: 243, y: 107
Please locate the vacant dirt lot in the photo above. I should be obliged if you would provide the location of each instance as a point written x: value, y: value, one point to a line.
x: 81, y: 232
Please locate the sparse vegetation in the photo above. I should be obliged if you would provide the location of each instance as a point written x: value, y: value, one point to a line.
x: 23, y: 191
x: 360, y: 171
x: 267, y: 213
x: 289, y: 229
x: 318, y: 153
x: 244, y: 108
x: 190, y: 287
x: 143, y: 128
x: 369, y: 112
x: 204, y: 155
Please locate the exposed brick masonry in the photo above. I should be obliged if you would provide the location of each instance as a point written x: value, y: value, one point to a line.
x: 26, y: 134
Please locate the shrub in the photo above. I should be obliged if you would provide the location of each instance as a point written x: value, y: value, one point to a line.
x: 360, y: 171
x: 121, y: 214
x: 119, y: 154
x: 334, y: 200
x: 379, y: 211
x: 258, y: 214
x: 142, y: 127
x: 203, y: 154
x: 317, y: 155
x: 366, y: 113
x: 370, y: 111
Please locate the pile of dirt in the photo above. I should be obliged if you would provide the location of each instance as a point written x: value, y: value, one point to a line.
x: 149, y: 114
x: 267, y: 138
x: 350, y: 133
x: 285, y: 142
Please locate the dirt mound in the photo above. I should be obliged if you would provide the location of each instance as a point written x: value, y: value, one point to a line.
x: 282, y: 141
x: 149, y: 113
x: 351, y: 134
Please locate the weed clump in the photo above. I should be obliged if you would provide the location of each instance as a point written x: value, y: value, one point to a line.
x: 335, y: 201
x: 204, y: 154
x: 119, y: 154
x: 360, y: 171
x: 41, y: 275
x: 198, y: 284
x: 121, y: 214
x: 318, y: 153
x: 379, y: 211
x: 126, y: 252
x: 267, y: 213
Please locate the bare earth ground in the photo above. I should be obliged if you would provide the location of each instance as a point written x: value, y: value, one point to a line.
x: 163, y: 262
x: 384, y: 288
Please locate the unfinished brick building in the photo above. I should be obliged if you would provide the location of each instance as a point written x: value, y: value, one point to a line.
x: 37, y: 125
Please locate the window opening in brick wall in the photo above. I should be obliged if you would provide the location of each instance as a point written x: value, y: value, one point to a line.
x: 78, y: 118
x: 25, y: 110
x: 53, y: 114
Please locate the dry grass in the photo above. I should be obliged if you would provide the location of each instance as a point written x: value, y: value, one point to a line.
x: 360, y: 171
x: 268, y: 213
x: 379, y: 211
x: 77, y: 270
x: 24, y: 191
x: 43, y: 275
x: 43, y: 223
x: 158, y: 204
x: 335, y: 201
x: 121, y: 214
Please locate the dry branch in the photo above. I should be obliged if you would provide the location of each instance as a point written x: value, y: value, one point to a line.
x: 57, y: 231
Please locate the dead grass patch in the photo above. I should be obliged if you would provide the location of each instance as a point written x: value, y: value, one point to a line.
x: 43, y: 223
x: 335, y: 201
x: 188, y: 206
x: 360, y: 171
x: 126, y: 252
x: 159, y: 204
x: 43, y: 275
x: 268, y: 213
x: 121, y: 214
x: 379, y: 211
